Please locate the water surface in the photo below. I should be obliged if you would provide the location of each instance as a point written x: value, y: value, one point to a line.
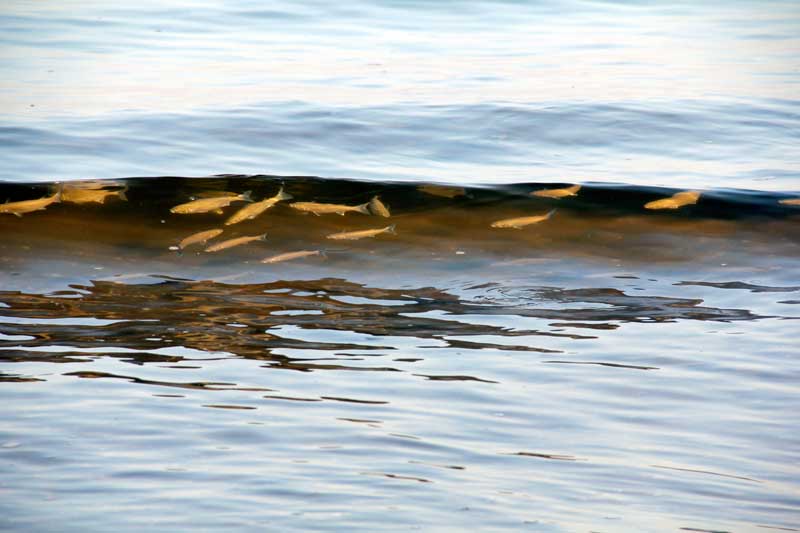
x: 610, y: 368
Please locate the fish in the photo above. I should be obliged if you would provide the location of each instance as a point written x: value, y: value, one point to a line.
x: 679, y: 199
x: 521, y: 222
x: 324, y: 209
x: 441, y: 190
x: 251, y: 211
x: 213, y: 194
x: 557, y: 193
x: 28, y: 206
x: 361, y: 234
x: 291, y: 255
x: 200, y: 237
x: 205, y: 205
x: 237, y: 241
x: 790, y: 201
x: 84, y: 195
x: 377, y: 207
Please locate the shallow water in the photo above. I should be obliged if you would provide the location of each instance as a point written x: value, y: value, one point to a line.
x: 608, y: 367
x: 611, y: 368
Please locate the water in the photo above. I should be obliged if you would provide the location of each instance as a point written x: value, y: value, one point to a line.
x: 669, y: 94
x: 609, y: 368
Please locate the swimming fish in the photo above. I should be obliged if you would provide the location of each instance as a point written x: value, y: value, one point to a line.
x: 238, y: 241
x: 324, y: 209
x: 361, y: 234
x: 377, y: 207
x: 679, y: 199
x: 441, y: 190
x: 557, y: 193
x: 79, y: 194
x: 790, y: 201
x: 204, y: 205
x: 199, y: 237
x: 251, y: 211
x: 291, y: 255
x: 521, y: 222
x: 27, y: 206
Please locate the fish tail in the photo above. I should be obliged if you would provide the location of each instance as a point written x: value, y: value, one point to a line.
x: 247, y: 196
x: 284, y: 195
x: 391, y: 229
x: 121, y: 194
x: 551, y: 212
x: 57, y: 197
x: 363, y: 208
x: 262, y: 237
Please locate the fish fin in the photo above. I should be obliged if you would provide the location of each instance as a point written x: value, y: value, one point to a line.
x: 391, y: 229
x: 247, y: 196
x: 17, y: 214
x: 551, y: 212
x: 57, y: 198
x: 121, y: 194
x: 363, y: 208
x: 323, y: 253
x: 262, y: 237
x: 284, y: 195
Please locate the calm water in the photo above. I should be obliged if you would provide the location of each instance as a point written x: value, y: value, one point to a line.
x: 607, y: 367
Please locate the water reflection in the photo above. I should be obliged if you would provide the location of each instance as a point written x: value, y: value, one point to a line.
x: 329, y: 323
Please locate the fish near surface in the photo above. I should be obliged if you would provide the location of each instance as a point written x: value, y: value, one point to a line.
x: 84, y: 195
x: 200, y: 237
x: 557, y: 193
x: 521, y: 222
x: 237, y: 241
x: 377, y: 207
x: 790, y: 201
x: 679, y: 199
x: 361, y: 234
x: 288, y: 256
x: 205, y: 205
x: 28, y: 206
x: 251, y: 211
x: 325, y: 209
x: 443, y: 191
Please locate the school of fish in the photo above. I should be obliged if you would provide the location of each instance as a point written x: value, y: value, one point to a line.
x: 99, y: 192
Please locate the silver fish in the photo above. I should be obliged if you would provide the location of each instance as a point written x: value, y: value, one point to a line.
x: 361, y: 234
x: 205, y: 205
x: 377, y: 207
x: 557, y: 193
x: 679, y: 199
x: 324, y: 209
x: 28, y: 206
x: 200, y: 237
x: 238, y: 241
x: 291, y: 255
x: 521, y: 222
x: 251, y: 211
